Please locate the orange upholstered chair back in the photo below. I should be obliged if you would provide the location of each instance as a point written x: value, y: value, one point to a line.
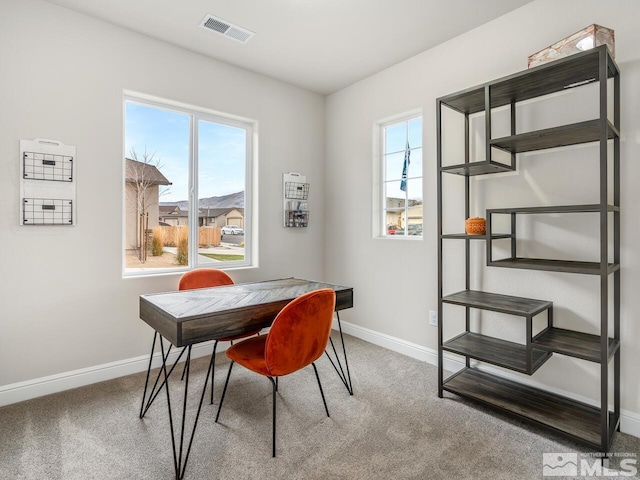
x: 300, y: 332
x: 204, y: 278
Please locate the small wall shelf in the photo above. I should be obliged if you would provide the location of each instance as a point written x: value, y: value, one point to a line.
x: 296, y: 195
x: 43, y: 166
x: 47, y: 211
x: 47, y: 183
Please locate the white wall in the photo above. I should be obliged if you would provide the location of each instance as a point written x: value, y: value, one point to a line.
x: 64, y: 304
x: 404, y: 273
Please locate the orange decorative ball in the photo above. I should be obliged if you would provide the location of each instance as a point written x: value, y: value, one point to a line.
x: 475, y: 226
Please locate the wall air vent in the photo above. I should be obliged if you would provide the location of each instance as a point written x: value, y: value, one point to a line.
x: 228, y: 29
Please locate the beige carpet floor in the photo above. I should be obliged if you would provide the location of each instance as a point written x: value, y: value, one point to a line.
x: 394, y: 427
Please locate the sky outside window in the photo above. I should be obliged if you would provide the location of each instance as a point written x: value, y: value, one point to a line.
x: 221, y: 149
x: 221, y: 159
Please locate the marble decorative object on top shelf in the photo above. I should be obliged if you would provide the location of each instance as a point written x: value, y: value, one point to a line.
x: 587, y: 38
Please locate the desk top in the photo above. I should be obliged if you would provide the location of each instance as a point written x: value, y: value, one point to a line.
x: 192, y: 316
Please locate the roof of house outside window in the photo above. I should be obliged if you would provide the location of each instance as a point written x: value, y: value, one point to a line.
x: 175, y: 211
x: 140, y: 171
x: 168, y: 209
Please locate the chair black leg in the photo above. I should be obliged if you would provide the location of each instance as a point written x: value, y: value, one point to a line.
x: 274, y: 384
x: 213, y: 361
x: 224, y: 391
x: 321, y: 392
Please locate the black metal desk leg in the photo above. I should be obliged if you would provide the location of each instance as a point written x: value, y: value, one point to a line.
x: 180, y: 456
x: 146, y: 382
x: 155, y: 390
x: 337, y: 365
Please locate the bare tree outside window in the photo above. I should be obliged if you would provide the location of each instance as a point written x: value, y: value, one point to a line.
x: 143, y: 182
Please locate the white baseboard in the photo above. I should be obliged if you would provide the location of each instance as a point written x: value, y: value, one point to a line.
x: 18, y: 392
x: 629, y: 421
x: 394, y: 344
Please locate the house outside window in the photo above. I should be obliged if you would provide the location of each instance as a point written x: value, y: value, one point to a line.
x: 402, y: 196
x: 187, y: 175
x: 143, y: 182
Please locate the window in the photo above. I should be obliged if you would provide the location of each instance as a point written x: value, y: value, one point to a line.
x: 174, y: 156
x: 402, y: 177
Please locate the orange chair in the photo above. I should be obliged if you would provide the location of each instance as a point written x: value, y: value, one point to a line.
x: 207, y: 278
x: 298, y: 337
x: 204, y: 278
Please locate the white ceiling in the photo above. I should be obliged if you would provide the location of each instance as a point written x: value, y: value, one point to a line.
x: 319, y: 45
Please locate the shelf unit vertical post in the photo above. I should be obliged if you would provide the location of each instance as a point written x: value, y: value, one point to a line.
x: 439, y: 206
x: 616, y: 244
x: 513, y: 165
x: 529, y: 330
x: 513, y: 131
x: 467, y: 241
x: 604, y: 254
x: 513, y: 236
x: 487, y: 121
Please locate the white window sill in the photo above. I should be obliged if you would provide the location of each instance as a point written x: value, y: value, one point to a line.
x: 408, y: 238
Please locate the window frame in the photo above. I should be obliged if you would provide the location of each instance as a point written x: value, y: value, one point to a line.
x: 381, y: 204
x: 197, y: 114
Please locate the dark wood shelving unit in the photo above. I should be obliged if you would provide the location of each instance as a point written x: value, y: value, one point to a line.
x: 574, y: 419
x: 525, y: 307
x: 592, y: 208
x: 591, y: 425
x: 574, y: 344
x: 577, y: 133
x: 513, y: 356
x: 567, y: 266
x: 570, y: 72
x: 497, y: 352
x: 478, y: 168
x: 463, y: 236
